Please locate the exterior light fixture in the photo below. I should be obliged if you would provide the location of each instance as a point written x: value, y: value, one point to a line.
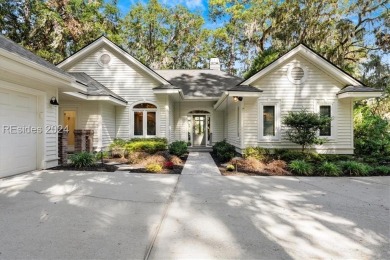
x: 53, y: 101
x: 236, y: 99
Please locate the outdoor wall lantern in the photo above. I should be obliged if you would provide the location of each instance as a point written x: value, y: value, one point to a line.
x: 236, y: 99
x: 53, y: 101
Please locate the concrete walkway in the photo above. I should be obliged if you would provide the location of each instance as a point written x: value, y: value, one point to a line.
x: 200, y: 163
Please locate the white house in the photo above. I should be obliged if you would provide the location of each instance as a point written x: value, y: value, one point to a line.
x: 117, y: 96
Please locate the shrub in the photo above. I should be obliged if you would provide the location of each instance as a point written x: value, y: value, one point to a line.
x: 153, y: 167
x: 329, y: 169
x: 301, y: 167
x: 230, y: 167
x: 251, y: 165
x: 178, y: 148
x: 83, y: 159
x: 258, y: 153
x: 99, y: 155
x: 148, y: 146
x: 159, y: 159
x: 382, y: 170
x: 354, y: 168
x: 303, y: 127
x: 224, y: 151
x: 175, y: 160
x: 168, y: 165
x: 289, y: 155
x: 277, y: 167
x: 137, y: 157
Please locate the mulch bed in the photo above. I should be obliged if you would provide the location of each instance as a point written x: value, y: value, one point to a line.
x: 240, y: 172
x: 97, y: 167
x: 113, y: 164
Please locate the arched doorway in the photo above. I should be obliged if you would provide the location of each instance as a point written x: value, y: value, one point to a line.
x: 199, y: 128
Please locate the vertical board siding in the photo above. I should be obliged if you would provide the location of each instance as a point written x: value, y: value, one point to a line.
x: 317, y: 87
x: 129, y: 82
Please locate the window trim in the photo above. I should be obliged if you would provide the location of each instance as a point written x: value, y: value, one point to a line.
x: 145, y: 120
x: 333, y: 113
x: 261, y: 137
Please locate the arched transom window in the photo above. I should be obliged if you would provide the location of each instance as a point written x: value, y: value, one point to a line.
x: 145, y: 119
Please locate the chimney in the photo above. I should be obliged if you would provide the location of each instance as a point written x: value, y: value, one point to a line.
x: 214, y: 64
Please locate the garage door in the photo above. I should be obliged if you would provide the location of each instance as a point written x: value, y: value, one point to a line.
x: 18, y: 145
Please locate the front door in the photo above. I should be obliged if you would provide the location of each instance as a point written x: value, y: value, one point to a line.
x: 70, y: 123
x: 199, y: 130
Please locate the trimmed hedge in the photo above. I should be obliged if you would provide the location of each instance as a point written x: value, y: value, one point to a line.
x: 178, y: 148
x: 224, y: 151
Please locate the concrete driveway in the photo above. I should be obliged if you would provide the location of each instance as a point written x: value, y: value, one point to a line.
x: 75, y: 215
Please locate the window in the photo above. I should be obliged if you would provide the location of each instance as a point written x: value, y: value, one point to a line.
x: 145, y: 119
x: 326, y: 111
x: 269, y: 121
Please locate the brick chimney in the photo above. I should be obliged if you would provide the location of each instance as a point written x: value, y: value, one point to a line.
x: 215, y: 64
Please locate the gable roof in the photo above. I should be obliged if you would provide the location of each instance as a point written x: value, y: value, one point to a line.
x: 200, y: 83
x: 94, y: 88
x: 314, y: 57
x: 102, y: 41
x: 15, y: 48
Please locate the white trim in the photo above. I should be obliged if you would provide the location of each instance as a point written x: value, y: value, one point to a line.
x: 96, y: 98
x: 333, y: 114
x: 311, y: 56
x: 244, y: 94
x: 144, y: 122
x: 103, y: 41
x: 166, y: 91
x: 100, y: 63
x: 294, y: 81
x: 360, y: 95
x: 261, y: 137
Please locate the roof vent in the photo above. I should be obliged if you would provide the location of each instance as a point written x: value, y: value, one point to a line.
x: 215, y: 64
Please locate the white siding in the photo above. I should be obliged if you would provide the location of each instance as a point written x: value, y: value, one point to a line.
x: 231, y: 133
x: 108, y: 124
x: 318, y: 87
x: 51, y: 137
x: 129, y: 82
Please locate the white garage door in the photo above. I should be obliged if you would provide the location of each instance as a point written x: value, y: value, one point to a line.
x: 18, y: 145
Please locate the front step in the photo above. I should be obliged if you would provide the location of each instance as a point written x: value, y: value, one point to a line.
x: 200, y: 149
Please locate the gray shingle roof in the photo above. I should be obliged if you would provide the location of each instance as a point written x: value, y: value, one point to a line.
x: 166, y: 87
x: 200, y: 83
x: 357, y: 89
x: 94, y: 88
x: 15, y: 48
x: 245, y: 88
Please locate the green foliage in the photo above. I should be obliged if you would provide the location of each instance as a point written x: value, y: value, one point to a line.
x: 261, y: 61
x: 145, y: 145
x: 303, y: 127
x: 301, y: 167
x: 100, y: 155
x: 354, y: 168
x: 165, y: 37
x: 381, y: 170
x: 178, y: 148
x: 371, y: 133
x: 230, y: 167
x: 329, y: 169
x: 153, y: 167
x: 83, y: 159
x: 224, y: 151
x: 258, y: 153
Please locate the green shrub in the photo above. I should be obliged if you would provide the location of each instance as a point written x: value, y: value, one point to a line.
x: 178, y: 148
x: 118, y: 142
x: 258, y: 153
x: 354, y: 168
x: 145, y: 145
x: 99, y: 155
x: 224, y: 151
x: 153, y: 167
x: 289, y: 155
x: 329, y: 169
x: 153, y: 139
x: 230, y: 167
x: 83, y: 159
x: 381, y: 170
x: 300, y: 167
